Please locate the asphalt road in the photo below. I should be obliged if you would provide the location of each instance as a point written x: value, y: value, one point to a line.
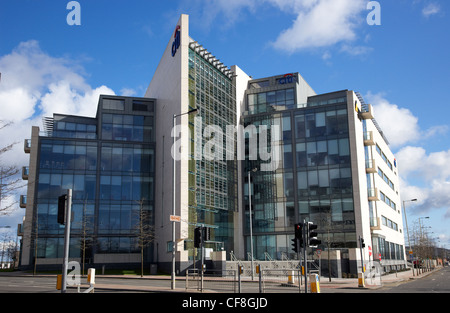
x: 437, y: 282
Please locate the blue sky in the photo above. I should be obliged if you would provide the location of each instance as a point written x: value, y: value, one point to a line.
x: 401, y: 66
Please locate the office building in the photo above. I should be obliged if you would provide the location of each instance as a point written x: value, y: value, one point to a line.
x: 335, y: 169
x: 108, y: 162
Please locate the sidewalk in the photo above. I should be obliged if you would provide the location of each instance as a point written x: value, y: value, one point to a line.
x: 336, y: 283
x: 376, y: 283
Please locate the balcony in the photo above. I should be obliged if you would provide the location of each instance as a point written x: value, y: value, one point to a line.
x: 20, y: 230
x: 372, y: 194
x: 371, y: 166
x: 375, y: 223
x: 27, y: 145
x: 23, y: 202
x: 368, y: 113
x: 25, y: 172
x: 368, y: 139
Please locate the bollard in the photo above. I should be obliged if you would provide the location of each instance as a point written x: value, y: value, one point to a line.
x: 59, y: 282
x: 361, y: 282
x: 291, y: 278
x: 91, y: 276
x: 90, y: 280
x: 315, y: 286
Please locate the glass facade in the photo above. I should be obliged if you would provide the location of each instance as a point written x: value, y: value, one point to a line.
x: 213, y: 182
x: 109, y: 164
x: 312, y: 183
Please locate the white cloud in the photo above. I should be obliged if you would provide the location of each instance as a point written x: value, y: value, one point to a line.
x: 356, y: 50
x: 415, y: 162
x: 321, y: 23
x: 317, y: 23
x: 399, y: 124
x: 431, y: 9
x: 35, y: 85
x: 423, y: 175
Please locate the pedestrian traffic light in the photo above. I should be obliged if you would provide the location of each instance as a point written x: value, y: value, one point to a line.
x: 299, y: 234
x: 297, y: 242
x: 294, y: 245
x: 206, y: 233
x: 62, y: 210
x: 312, y: 235
x: 363, y: 245
x: 299, y: 231
x: 197, y: 237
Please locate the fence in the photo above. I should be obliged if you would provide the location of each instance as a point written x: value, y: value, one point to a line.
x: 214, y: 280
x: 264, y: 280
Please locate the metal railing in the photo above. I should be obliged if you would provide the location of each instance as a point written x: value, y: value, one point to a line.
x: 266, y: 280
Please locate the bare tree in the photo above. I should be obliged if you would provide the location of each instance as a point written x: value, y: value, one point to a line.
x: 326, y: 223
x: 7, y: 245
x: 9, y: 180
x: 144, y: 230
x: 86, y: 233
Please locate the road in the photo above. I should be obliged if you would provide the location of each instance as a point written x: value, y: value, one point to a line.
x: 437, y: 282
x: 47, y: 284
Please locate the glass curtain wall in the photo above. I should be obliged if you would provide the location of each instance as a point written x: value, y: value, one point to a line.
x: 212, y: 183
x: 112, y: 177
x: 312, y: 183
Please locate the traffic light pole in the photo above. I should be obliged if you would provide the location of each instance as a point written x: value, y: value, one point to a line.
x: 66, y: 240
x: 305, y: 244
x: 362, y: 256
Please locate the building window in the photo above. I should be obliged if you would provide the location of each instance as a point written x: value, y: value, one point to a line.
x: 113, y: 104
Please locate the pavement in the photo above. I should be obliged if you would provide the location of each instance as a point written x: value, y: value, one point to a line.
x: 334, y: 286
x: 336, y: 283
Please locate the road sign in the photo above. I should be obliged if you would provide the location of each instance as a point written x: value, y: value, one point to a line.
x: 175, y: 218
x: 370, y: 251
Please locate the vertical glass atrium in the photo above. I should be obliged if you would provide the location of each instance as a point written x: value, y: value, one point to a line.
x: 212, y: 179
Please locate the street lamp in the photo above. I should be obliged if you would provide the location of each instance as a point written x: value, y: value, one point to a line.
x: 194, y: 111
x: 407, y: 231
x: 251, y: 220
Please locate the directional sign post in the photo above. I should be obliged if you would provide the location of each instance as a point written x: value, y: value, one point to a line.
x: 175, y: 218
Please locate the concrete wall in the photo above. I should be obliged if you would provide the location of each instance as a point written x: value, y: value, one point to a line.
x: 170, y: 87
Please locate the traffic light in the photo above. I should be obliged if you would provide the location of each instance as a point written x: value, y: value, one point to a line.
x: 299, y: 232
x: 206, y: 233
x: 62, y: 210
x: 297, y: 241
x: 197, y: 237
x: 201, y: 233
x: 312, y: 235
x: 363, y: 245
x: 294, y: 245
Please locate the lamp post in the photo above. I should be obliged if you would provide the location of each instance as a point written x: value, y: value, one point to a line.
x: 251, y: 220
x: 194, y: 111
x: 407, y: 231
